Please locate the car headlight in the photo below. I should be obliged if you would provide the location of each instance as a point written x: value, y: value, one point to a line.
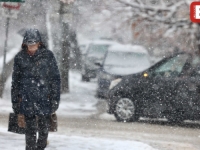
x: 114, y: 83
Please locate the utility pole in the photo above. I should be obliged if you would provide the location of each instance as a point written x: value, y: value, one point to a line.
x: 65, y: 46
x: 5, y: 47
x: 4, y: 58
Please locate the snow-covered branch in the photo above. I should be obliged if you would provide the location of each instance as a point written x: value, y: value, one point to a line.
x: 164, y: 19
x: 162, y: 13
x: 151, y: 8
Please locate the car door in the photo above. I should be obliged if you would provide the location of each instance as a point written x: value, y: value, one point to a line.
x: 161, y: 84
x: 188, y: 91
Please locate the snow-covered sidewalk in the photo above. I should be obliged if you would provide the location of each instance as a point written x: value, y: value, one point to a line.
x: 80, y: 102
x: 11, y: 141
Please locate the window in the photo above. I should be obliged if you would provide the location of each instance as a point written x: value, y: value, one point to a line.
x: 172, y: 67
x: 195, y: 66
x: 127, y: 59
x: 97, y: 50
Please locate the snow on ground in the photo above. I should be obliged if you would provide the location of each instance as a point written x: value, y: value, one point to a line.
x: 11, y: 141
x: 9, y: 57
x: 80, y: 102
x: 13, y: 45
x: 81, y: 99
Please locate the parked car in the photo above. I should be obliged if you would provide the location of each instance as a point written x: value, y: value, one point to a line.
x: 83, y: 47
x: 169, y: 89
x: 95, y: 53
x: 120, y: 60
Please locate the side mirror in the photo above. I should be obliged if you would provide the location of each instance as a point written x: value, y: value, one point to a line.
x: 98, y: 64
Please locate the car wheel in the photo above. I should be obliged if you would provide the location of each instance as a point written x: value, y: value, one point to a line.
x: 125, y: 110
x: 84, y: 78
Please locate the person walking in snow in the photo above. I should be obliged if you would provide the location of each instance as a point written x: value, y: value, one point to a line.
x: 35, y: 88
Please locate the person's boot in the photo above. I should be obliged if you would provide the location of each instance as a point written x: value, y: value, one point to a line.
x: 31, y: 148
x: 41, y: 146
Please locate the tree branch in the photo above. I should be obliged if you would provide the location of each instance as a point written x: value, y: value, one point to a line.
x: 151, y: 8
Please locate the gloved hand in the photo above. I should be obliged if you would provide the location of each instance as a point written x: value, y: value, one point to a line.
x: 16, y: 108
x: 54, y: 106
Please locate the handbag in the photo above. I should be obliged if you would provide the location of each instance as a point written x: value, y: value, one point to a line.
x: 21, y: 121
x: 13, y: 125
x: 17, y: 123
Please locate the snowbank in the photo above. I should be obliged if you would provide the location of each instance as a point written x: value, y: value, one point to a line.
x: 11, y: 141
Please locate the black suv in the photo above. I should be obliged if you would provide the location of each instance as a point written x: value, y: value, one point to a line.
x: 169, y: 89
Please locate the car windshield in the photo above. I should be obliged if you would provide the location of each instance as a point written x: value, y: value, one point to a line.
x: 126, y: 59
x: 97, y: 50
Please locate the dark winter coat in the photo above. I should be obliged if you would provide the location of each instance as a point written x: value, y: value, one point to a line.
x: 36, y: 83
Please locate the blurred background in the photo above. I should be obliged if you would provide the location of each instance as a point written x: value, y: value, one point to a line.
x: 162, y: 27
x: 96, y: 44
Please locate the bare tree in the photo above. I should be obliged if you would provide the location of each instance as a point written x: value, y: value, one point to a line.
x: 164, y: 17
x: 67, y: 42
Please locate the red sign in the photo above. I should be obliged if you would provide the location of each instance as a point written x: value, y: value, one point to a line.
x: 10, y: 5
x: 195, y: 12
x: 10, y: 10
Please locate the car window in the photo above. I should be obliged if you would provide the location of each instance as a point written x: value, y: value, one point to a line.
x: 124, y: 62
x: 126, y: 59
x: 195, y: 61
x: 97, y: 50
x: 173, y: 67
x: 195, y: 66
